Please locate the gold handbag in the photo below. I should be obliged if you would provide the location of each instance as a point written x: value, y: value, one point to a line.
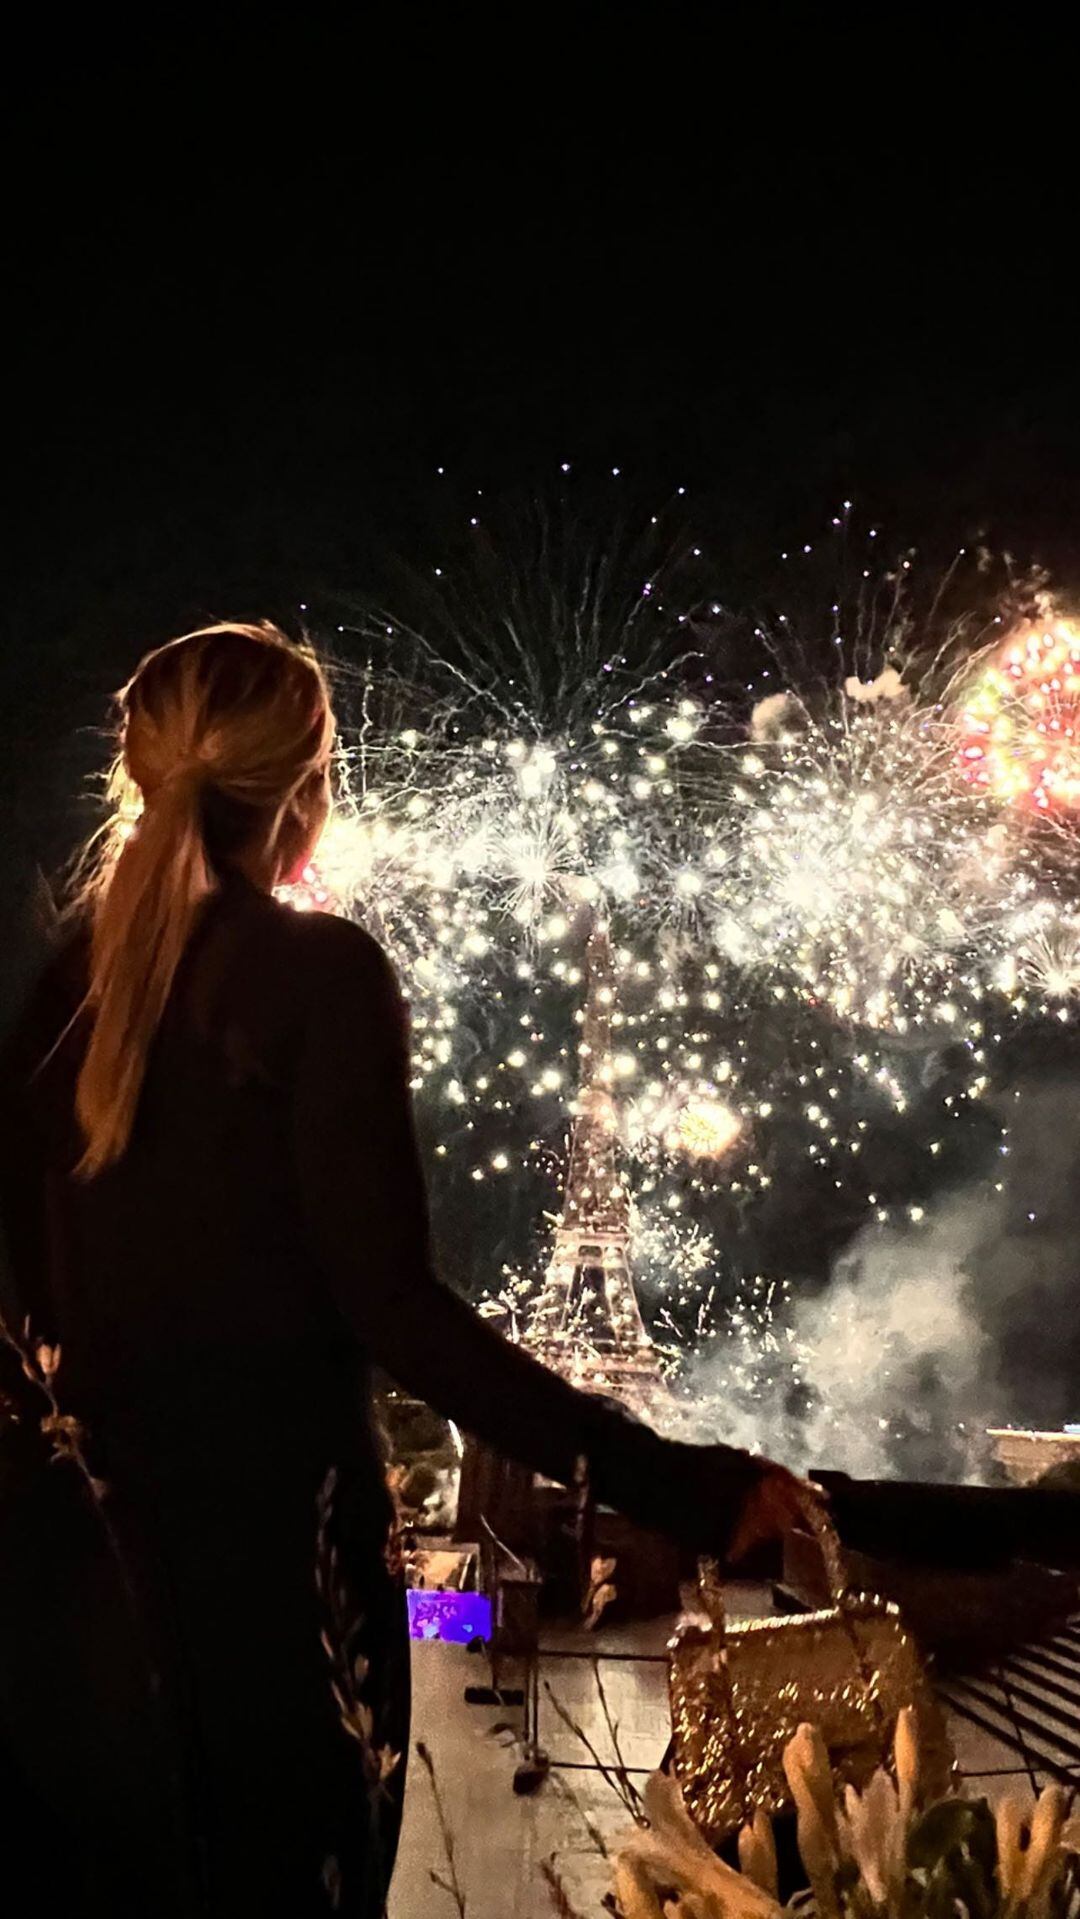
x: 739, y: 1691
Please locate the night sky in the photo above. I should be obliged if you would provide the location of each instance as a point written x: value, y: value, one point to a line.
x: 263, y: 282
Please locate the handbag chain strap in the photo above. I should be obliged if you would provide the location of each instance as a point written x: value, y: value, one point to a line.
x: 832, y: 1553
x: 710, y: 1587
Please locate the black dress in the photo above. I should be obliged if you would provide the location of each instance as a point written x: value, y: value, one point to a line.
x: 213, y: 1636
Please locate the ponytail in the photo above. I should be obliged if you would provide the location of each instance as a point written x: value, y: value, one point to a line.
x: 141, y: 924
x: 223, y: 732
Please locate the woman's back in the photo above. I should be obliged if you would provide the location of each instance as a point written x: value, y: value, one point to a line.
x: 181, y: 1286
x: 221, y: 1396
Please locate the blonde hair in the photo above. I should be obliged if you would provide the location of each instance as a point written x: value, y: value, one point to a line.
x: 225, y: 735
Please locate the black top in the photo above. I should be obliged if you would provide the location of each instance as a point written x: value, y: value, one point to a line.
x: 218, y: 1297
x: 218, y: 1294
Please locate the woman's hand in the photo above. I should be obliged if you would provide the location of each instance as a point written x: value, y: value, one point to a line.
x: 718, y: 1499
x: 777, y: 1502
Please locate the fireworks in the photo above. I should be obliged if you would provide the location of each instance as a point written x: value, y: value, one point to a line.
x: 704, y: 1129
x: 825, y: 914
x: 801, y: 914
x: 1021, y: 719
x: 863, y: 871
x: 481, y: 865
x: 1043, y: 955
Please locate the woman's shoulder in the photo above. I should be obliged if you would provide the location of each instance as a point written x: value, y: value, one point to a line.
x: 265, y: 974
x: 322, y: 955
x: 341, y: 982
x: 330, y: 942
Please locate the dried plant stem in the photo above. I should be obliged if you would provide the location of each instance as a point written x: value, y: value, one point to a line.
x: 630, y: 1791
x: 39, y: 1364
x: 561, y: 1902
x: 589, y: 1824
x: 611, y: 1777
x: 452, y: 1885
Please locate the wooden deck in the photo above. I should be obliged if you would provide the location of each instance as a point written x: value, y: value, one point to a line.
x: 502, y: 1840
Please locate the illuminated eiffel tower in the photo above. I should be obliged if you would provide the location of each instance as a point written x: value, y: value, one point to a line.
x: 587, y: 1323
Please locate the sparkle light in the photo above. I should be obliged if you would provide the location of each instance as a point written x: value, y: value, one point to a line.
x: 705, y: 1129
x: 1021, y: 718
x: 822, y: 915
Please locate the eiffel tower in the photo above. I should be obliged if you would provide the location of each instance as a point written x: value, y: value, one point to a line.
x: 587, y: 1323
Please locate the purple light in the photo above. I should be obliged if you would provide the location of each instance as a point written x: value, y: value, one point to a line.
x: 452, y: 1617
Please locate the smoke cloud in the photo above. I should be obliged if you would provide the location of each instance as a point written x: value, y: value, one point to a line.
x: 928, y: 1332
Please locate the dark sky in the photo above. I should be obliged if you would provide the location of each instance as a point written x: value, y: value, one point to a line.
x: 264, y: 281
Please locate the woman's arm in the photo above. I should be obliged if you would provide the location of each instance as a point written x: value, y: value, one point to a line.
x: 363, y: 1194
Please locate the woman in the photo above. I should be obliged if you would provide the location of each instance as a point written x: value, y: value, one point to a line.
x: 216, y: 1217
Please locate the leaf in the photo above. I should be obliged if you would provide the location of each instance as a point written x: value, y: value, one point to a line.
x: 971, y: 1885
x: 940, y: 1902
x: 982, y: 1839
x: 599, y: 1601
x: 912, y: 1899
x: 942, y: 1829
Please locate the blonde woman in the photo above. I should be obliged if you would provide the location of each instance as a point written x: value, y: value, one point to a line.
x: 216, y: 1215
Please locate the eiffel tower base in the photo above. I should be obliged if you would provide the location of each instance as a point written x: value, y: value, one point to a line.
x: 629, y: 1375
